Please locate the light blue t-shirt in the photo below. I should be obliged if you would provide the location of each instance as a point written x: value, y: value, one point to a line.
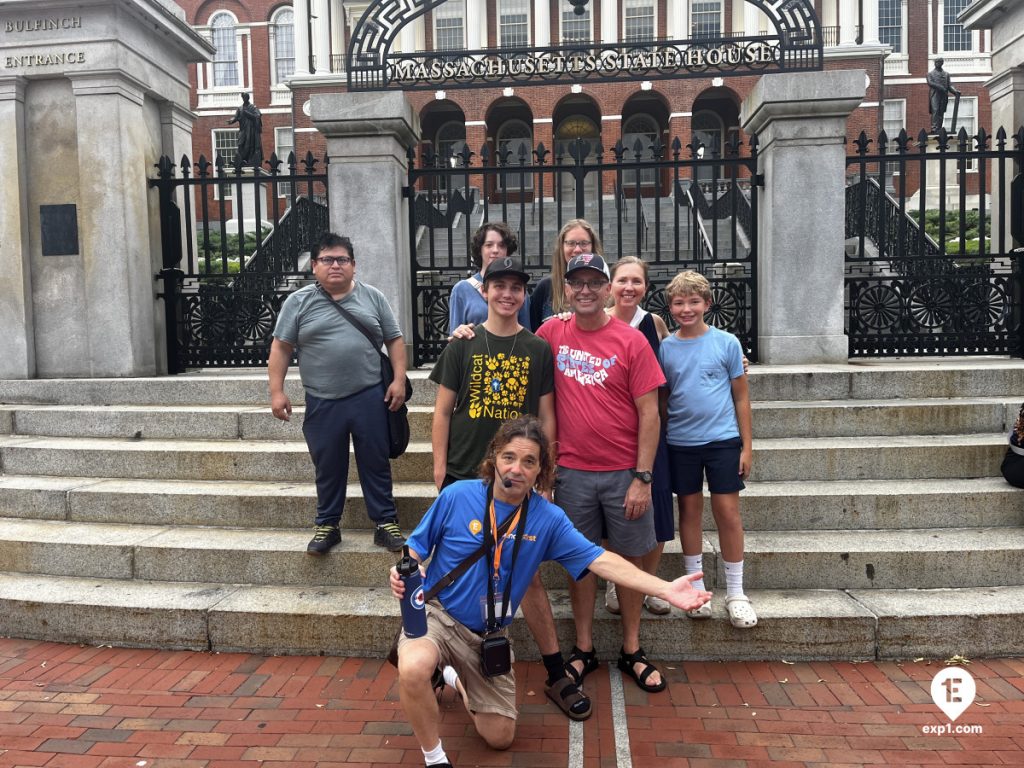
x: 453, y: 528
x: 466, y: 306
x: 699, y: 374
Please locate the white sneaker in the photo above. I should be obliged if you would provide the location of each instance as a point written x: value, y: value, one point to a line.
x: 611, y: 599
x: 656, y: 605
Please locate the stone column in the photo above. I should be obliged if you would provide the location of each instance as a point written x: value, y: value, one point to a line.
x: 321, y: 37
x: 18, y: 358
x: 609, y: 21
x: 751, y: 19
x: 679, y: 21
x: 118, y: 293
x: 847, y: 23
x: 541, y: 23
x: 800, y: 120
x: 302, y: 41
x: 871, y: 24
x: 367, y: 137
x: 407, y: 37
x: 473, y: 20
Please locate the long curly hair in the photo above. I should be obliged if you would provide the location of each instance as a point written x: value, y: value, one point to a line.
x: 529, y: 428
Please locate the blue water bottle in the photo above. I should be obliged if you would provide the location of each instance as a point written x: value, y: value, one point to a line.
x: 414, y: 615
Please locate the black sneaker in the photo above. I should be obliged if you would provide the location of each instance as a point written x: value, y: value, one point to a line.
x: 325, y: 537
x: 389, y: 536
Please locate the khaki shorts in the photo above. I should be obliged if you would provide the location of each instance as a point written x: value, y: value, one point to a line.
x: 459, y: 647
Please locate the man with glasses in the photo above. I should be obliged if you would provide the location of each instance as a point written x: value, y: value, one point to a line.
x: 345, y: 395
x: 606, y: 406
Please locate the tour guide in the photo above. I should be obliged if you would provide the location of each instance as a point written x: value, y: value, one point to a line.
x: 465, y: 515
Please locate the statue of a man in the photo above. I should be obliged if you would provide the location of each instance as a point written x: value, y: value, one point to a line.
x: 939, y: 88
x: 250, y: 126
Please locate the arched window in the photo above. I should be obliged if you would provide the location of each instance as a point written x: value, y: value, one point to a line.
x: 282, y: 44
x: 516, y: 138
x: 451, y: 138
x: 708, y: 130
x: 225, y: 60
x: 642, y: 128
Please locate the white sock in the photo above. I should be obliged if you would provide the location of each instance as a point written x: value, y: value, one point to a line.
x: 693, y: 564
x: 733, y: 578
x: 451, y: 677
x: 435, y: 756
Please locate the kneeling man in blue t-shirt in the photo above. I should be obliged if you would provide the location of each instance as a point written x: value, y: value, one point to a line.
x: 480, y: 604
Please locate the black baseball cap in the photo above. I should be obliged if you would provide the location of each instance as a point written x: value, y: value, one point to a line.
x: 508, y: 265
x: 587, y: 261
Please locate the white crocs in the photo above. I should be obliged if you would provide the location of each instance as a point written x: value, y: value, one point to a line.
x: 741, y: 612
x: 704, y: 612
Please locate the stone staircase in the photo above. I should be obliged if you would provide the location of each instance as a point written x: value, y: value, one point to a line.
x: 174, y: 512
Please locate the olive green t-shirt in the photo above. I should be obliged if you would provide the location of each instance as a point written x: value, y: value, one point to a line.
x: 495, y: 378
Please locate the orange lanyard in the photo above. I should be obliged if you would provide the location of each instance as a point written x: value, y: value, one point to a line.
x: 498, y: 545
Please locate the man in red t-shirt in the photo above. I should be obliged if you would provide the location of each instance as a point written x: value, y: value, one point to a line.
x: 606, y: 403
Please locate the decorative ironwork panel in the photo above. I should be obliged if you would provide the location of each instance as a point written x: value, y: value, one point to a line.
x: 796, y: 45
x: 674, y: 223
x: 225, y: 277
x: 930, y: 271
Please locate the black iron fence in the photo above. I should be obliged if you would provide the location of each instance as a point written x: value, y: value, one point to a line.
x: 677, y: 207
x: 235, y: 242
x: 930, y: 266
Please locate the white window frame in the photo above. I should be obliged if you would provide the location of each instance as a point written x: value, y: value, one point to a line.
x: 627, y: 5
x: 225, y: 191
x: 891, y: 136
x: 529, y: 18
x: 565, y: 7
x: 210, y: 96
x: 275, y: 81
x: 284, y: 190
x: 972, y: 166
x: 721, y: 18
x: 448, y: 11
x: 941, y: 42
x: 648, y: 176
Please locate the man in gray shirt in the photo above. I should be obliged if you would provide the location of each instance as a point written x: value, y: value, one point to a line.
x: 345, y: 396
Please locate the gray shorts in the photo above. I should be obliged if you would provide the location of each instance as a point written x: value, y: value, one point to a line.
x: 595, y: 502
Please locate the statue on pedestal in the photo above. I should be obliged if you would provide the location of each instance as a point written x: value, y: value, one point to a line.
x: 250, y: 126
x: 939, y: 88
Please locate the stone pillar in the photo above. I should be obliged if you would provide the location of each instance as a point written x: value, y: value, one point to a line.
x: 321, y: 37
x: 751, y: 19
x: 679, y: 21
x: 18, y: 360
x: 541, y: 23
x: 871, y: 23
x: 609, y: 21
x: 118, y: 293
x: 847, y: 23
x: 302, y: 41
x: 473, y: 21
x: 407, y: 38
x: 800, y: 120
x: 367, y: 137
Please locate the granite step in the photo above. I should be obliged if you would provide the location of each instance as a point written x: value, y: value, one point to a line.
x: 812, y: 418
x: 979, y: 377
x: 775, y: 459
x: 793, y: 625
x: 773, y: 560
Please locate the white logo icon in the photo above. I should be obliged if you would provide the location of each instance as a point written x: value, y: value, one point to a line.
x: 953, y: 691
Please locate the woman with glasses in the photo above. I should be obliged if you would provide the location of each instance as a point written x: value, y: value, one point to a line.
x: 467, y: 305
x: 629, y: 287
x: 576, y: 237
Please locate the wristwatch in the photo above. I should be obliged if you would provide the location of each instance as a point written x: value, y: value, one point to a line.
x: 643, y: 477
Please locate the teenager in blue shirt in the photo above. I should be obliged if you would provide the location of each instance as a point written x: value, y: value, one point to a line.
x: 466, y: 303
x: 518, y: 461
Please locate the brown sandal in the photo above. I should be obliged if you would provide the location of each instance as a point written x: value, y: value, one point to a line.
x: 570, y: 699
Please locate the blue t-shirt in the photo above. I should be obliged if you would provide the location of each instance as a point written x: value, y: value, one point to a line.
x: 457, y: 518
x: 466, y: 306
x: 699, y: 374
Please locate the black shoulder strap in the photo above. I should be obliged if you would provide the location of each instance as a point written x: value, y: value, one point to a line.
x: 351, y: 318
x: 450, y: 578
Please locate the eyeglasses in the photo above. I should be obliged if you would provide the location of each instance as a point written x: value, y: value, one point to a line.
x: 593, y: 285
x: 330, y: 261
x: 584, y: 244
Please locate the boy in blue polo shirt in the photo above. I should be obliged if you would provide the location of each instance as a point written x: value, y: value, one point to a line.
x: 709, y: 433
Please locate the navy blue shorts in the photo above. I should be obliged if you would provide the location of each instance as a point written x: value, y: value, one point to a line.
x: 719, y: 460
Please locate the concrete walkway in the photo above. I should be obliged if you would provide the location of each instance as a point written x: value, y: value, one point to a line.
x: 71, y: 706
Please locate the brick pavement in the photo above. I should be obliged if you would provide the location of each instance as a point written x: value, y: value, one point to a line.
x: 71, y: 706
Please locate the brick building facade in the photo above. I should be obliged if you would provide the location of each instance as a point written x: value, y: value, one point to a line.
x: 284, y: 54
